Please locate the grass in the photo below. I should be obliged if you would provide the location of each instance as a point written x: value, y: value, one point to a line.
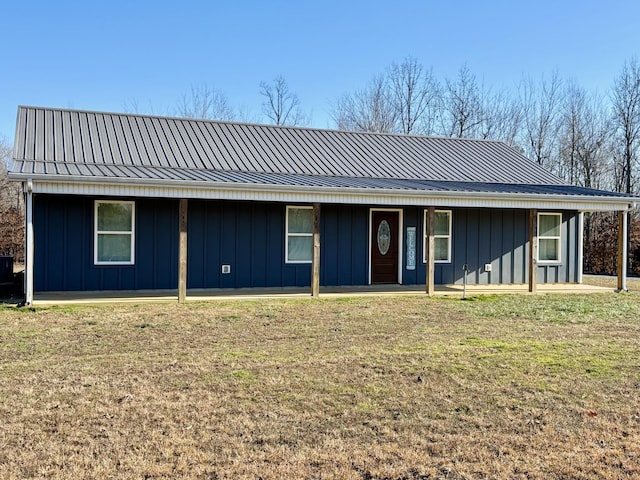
x: 509, y: 386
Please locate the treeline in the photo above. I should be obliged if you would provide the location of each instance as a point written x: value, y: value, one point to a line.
x: 11, y: 210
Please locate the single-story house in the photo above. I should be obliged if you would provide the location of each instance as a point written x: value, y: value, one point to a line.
x: 136, y: 202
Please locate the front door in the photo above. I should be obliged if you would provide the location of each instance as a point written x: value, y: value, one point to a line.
x: 384, y: 247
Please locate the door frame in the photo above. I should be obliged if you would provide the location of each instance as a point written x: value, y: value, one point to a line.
x: 400, y: 238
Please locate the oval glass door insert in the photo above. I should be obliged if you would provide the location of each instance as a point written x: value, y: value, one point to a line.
x: 384, y: 237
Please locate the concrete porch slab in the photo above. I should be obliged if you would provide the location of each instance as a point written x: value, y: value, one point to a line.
x: 141, y: 296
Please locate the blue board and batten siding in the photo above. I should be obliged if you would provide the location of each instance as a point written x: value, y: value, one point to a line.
x: 250, y: 238
x: 64, y: 256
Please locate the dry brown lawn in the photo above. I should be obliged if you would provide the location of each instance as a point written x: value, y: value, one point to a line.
x: 506, y: 387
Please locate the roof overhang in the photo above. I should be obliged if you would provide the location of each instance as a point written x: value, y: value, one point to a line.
x: 160, y: 188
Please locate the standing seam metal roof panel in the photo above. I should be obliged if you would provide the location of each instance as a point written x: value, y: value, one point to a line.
x: 360, y: 157
x: 76, y: 136
x: 302, y: 154
x: 269, y: 157
x: 114, y: 142
x: 40, y: 126
x: 234, y: 149
x: 197, y: 144
x: 275, y: 159
x: 225, y: 154
x: 288, y: 156
x: 192, y: 157
x: 304, y: 143
x: 247, y: 147
x: 142, y: 148
x: 86, y: 140
x: 310, y: 143
x: 96, y: 144
x: 213, y: 157
x: 169, y: 134
x: 335, y: 163
x: 386, y: 145
x: 149, y: 136
x: 156, y: 130
x: 349, y: 156
x: 123, y: 147
x: 50, y: 144
x: 30, y: 140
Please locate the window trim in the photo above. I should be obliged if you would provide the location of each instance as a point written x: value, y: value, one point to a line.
x: 287, y: 234
x: 449, y: 236
x: 557, y: 238
x: 97, y: 233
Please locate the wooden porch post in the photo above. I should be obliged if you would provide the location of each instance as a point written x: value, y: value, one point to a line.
x: 182, y: 255
x: 430, y: 250
x: 315, y: 262
x: 622, y: 251
x: 533, y: 250
x: 580, y: 246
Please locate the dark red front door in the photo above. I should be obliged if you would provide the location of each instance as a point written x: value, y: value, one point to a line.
x: 384, y: 247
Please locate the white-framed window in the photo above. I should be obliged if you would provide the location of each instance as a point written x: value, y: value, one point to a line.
x: 299, y: 235
x: 442, y: 236
x: 114, y: 232
x: 549, y: 237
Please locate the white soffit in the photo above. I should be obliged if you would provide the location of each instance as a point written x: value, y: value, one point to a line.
x: 289, y: 194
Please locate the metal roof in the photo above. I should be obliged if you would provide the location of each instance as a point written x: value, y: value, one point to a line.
x: 71, y: 137
x: 71, y: 146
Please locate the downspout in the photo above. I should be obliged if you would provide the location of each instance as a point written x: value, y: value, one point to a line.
x: 28, y: 270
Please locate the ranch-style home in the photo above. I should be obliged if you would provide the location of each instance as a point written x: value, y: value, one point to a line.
x: 134, y: 202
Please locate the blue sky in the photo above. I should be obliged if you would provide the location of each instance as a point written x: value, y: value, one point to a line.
x: 107, y: 55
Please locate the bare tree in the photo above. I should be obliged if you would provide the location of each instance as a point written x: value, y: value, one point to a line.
x: 584, y: 130
x: 541, y: 104
x: 281, y: 106
x: 502, y: 117
x: 461, y: 113
x: 367, y: 110
x: 134, y: 106
x: 625, y: 99
x: 11, y: 209
x: 414, y: 92
x: 205, y: 102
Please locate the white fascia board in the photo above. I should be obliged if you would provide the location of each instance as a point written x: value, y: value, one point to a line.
x: 305, y: 194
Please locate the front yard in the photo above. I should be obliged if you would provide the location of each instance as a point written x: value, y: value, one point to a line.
x: 512, y: 386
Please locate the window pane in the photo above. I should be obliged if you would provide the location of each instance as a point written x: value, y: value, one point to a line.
x: 441, y: 226
x: 300, y: 220
x: 548, y: 249
x: 441, y: 249
x: 114, y: 248
x: 300, y: 249
x: 549, y: 226
x: 114, y: 217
